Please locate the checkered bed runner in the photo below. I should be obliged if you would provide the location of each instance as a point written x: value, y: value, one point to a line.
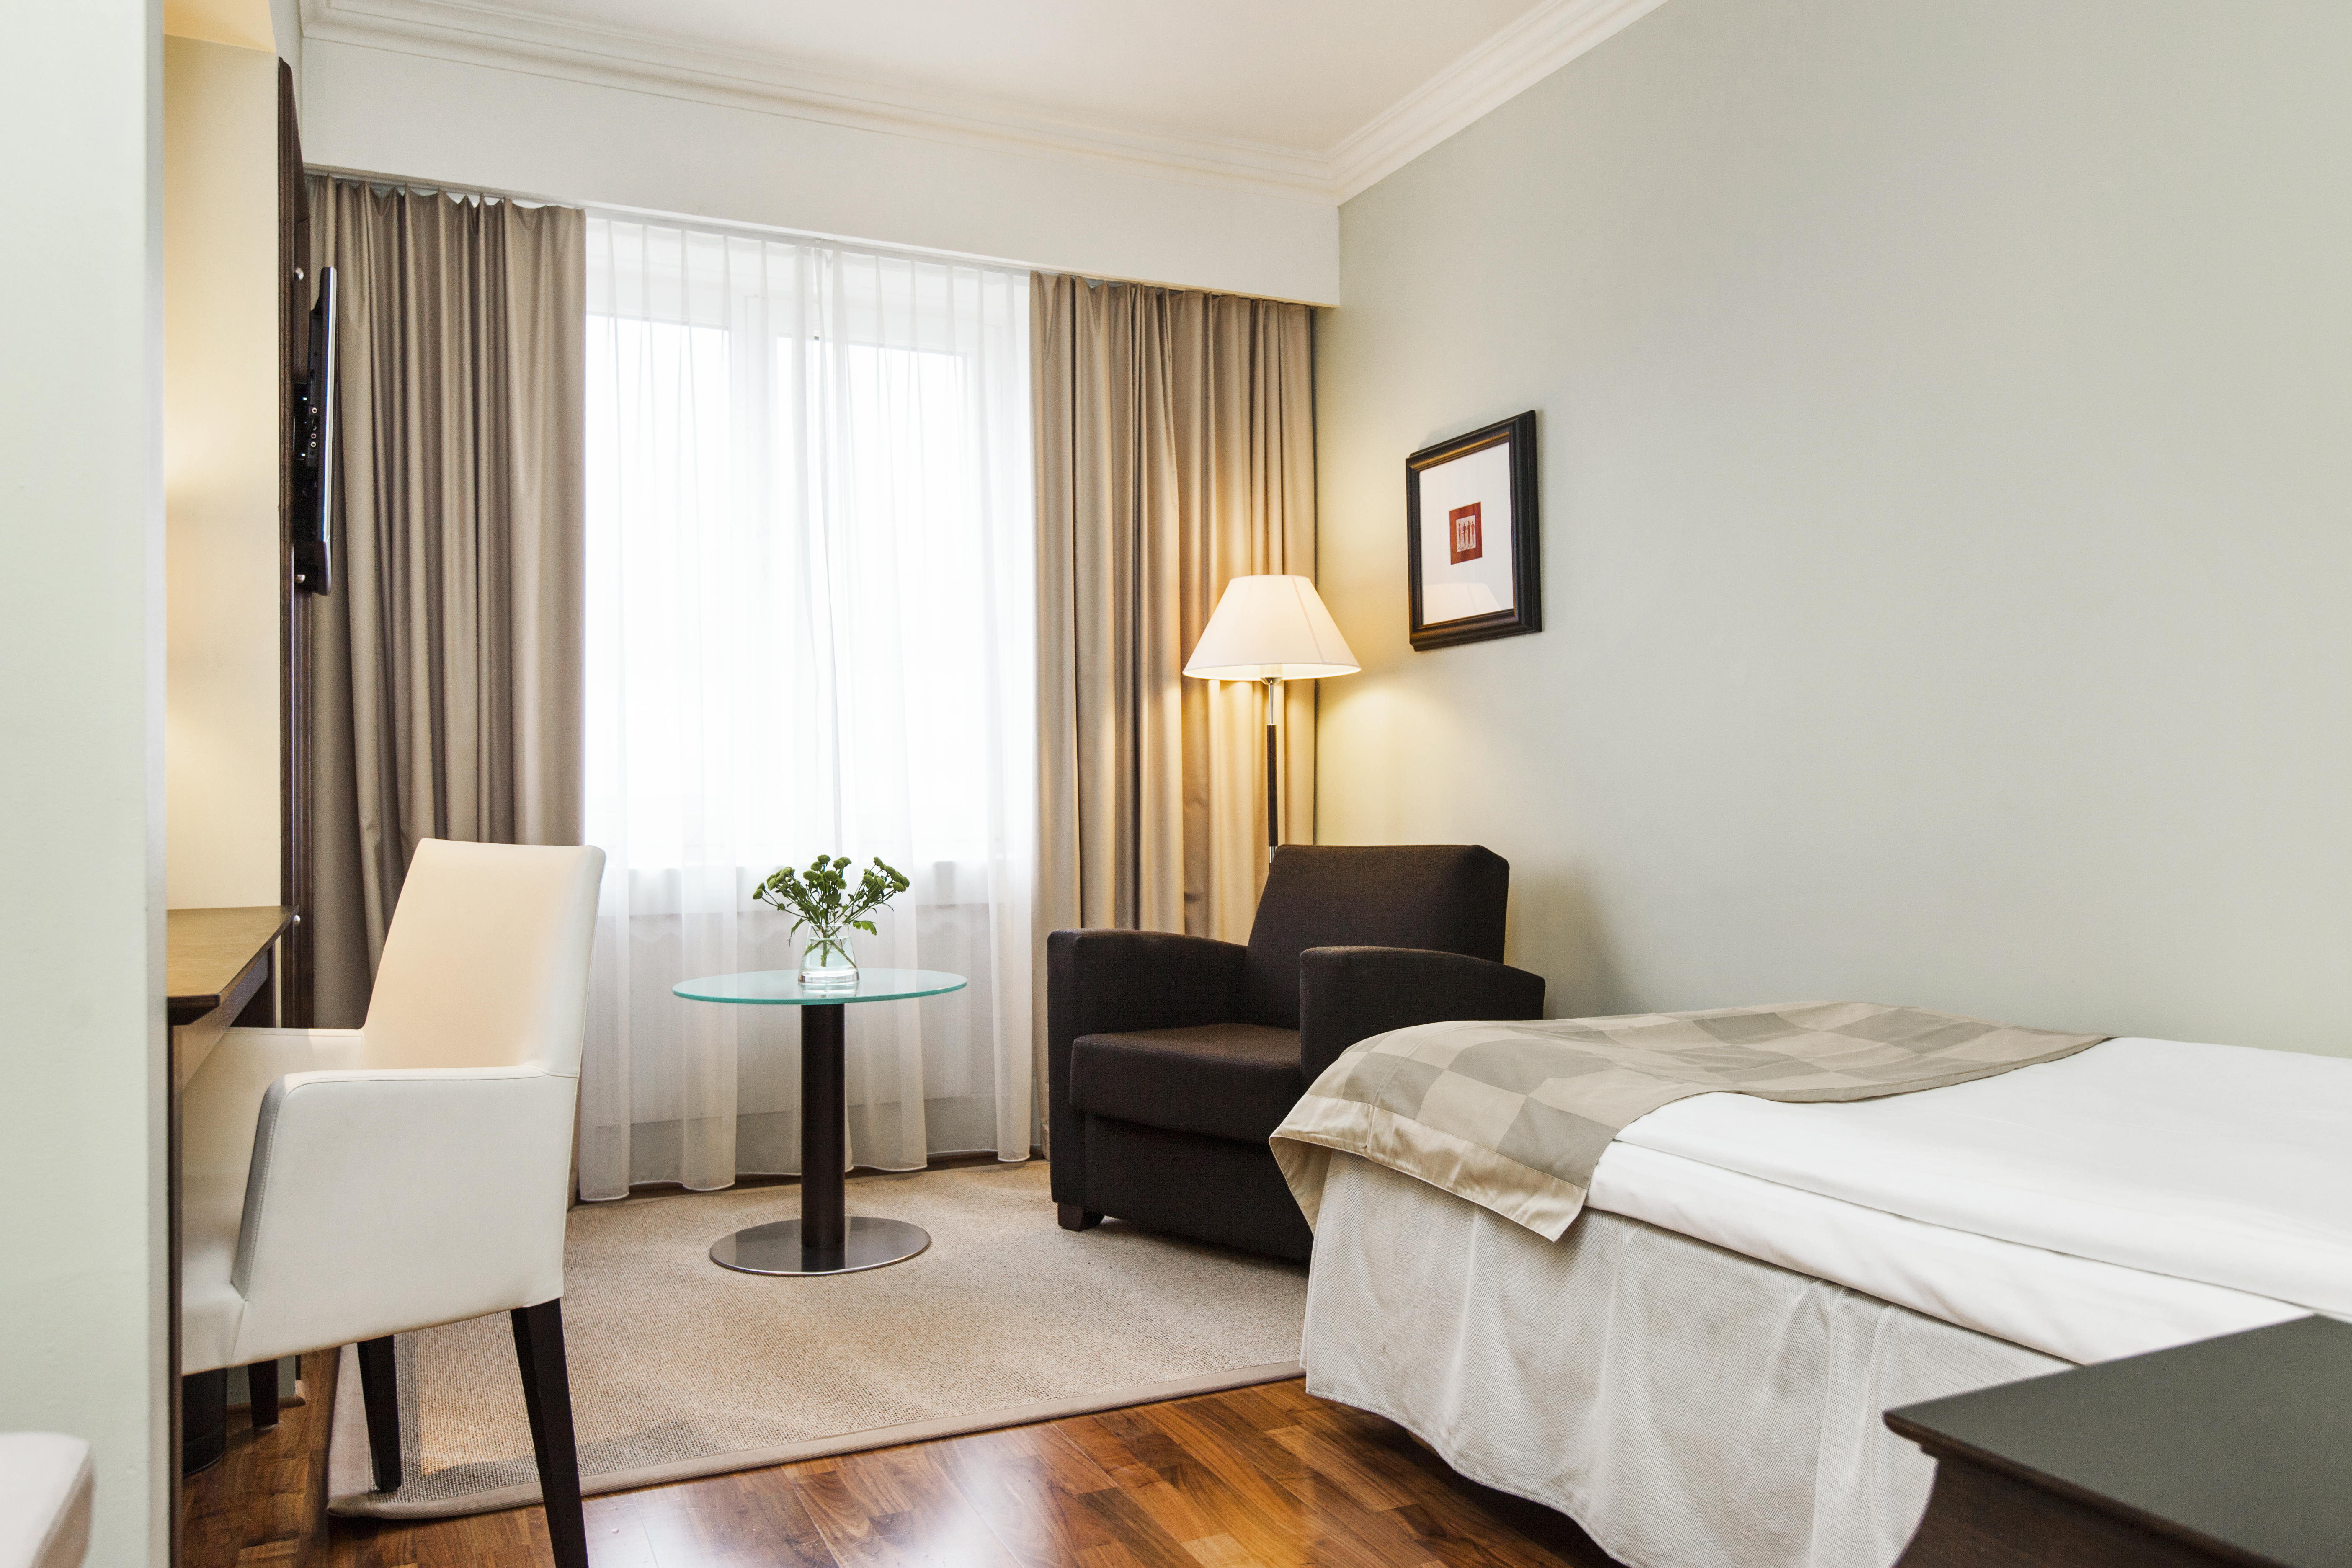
x: 1514, y: 1116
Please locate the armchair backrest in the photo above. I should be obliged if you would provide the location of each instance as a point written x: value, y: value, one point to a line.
x: 486, y: 960
x: 1449, y: 898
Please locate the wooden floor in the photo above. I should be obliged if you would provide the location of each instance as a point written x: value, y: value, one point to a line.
x: 1263, y: 1475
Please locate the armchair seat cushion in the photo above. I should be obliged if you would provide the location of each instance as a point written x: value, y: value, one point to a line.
x: 1221, y: 1081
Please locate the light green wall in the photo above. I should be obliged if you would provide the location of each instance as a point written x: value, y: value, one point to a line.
x: 1948, y: 511
x: 81, y: 642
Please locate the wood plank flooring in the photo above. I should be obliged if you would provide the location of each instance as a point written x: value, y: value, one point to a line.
x: 1253, y: 1478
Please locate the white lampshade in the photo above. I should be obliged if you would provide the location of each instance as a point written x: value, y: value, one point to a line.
x: 1268, y: 627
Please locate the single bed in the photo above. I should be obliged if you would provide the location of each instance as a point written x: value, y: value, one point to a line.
x: 1694, y: 1370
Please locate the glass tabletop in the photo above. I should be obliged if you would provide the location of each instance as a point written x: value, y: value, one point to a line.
x: 783, y: 988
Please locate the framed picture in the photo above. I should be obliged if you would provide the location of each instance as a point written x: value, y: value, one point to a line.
x: 1470, y: 536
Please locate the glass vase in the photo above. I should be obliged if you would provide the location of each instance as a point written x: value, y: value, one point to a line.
x: 826, y: 963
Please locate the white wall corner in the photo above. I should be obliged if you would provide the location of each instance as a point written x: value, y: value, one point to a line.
x: 286, y: 29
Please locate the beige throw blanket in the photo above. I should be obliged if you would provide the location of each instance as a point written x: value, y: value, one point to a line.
x: 1514, y: 1116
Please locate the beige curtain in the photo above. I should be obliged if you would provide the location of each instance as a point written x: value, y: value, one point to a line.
x: 446, y: 677
x: 1175, y: 450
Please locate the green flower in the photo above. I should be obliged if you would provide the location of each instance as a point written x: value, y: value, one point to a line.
x: 820, y: 898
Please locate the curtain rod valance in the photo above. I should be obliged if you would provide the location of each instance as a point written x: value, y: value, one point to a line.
x: 382, y: 185
x: 773, y: 234
x: 1165, y: 288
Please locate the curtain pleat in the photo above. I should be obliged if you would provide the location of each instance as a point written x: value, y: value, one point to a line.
x: 446, y: 666
x: 1175, y: 451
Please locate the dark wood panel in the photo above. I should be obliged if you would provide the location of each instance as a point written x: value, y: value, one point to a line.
x: 1978, y: 1518
x: 1269, y: 1477
x: 296, y: 291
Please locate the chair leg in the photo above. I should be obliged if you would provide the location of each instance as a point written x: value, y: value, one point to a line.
x: 1077, y: 1218
x: 203, y: 1419
x: 547, y: 1399
x: 380, y: 1391
x: 261, y: 1377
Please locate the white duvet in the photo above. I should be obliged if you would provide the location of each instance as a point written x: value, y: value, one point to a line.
x: 2140, y: 1193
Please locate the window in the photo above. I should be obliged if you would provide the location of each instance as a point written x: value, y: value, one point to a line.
x: 810, y: 630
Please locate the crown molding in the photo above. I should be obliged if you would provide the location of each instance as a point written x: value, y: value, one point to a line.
x: 1496, y: 72
x: 476, y: 33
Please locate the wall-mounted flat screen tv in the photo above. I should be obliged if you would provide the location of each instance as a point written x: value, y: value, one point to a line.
x: 312, y: 523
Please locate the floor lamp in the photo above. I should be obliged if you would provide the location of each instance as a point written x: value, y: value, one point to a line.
x: 1270, y: 630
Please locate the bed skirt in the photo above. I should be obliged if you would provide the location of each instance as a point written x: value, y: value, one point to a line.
x: 1688, y: 1407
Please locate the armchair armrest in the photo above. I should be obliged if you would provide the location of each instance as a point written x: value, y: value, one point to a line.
x: 1100, y: 979
x: 1350, y: 993
x: 222, y: 1103
x: 392, y: 1199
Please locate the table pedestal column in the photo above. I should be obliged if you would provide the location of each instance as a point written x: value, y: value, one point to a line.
x: 823, y: 1225
x: 825, y: 1239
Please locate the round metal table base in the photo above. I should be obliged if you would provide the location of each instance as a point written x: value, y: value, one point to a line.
x: 776, y: 1248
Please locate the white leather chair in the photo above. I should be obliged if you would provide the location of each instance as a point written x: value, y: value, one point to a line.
x: 45, y: 1491
x: 344, y: 1186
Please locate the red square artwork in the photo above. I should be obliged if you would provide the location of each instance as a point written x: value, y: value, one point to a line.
x: 1466, y: 544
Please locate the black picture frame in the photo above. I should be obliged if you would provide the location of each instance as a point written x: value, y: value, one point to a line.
x: 1469, y: 529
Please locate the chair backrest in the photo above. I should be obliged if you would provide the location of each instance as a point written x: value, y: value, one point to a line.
x: 1449, y: 898
x: 486, y: 960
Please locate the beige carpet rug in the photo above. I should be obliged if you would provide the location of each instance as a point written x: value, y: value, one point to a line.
x: 680, y: 1368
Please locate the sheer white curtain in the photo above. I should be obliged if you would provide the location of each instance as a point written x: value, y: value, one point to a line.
x: 810, y: 630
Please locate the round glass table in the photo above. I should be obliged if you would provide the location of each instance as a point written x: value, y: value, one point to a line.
x: 826, y: 1238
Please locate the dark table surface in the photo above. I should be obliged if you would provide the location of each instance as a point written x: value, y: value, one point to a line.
x: 2243, y: 1443
x: 206, y: 950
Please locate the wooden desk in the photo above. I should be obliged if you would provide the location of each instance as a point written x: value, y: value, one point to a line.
x: 205, y: 951
x: 2236, y: 1450
x: 215, y: 963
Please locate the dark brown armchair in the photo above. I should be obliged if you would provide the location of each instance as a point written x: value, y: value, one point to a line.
x: 1171, y: 1059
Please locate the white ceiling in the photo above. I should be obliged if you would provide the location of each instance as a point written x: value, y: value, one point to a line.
x: 1300, y: 75
x: 1311, y: 99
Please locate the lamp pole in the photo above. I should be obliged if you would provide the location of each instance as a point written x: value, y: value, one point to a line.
x: 1273, y: 763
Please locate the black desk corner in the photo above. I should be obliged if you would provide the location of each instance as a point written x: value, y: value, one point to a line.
x: 2231, y: 1451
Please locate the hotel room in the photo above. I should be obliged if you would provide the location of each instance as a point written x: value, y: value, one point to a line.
x: 1535, y: 782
